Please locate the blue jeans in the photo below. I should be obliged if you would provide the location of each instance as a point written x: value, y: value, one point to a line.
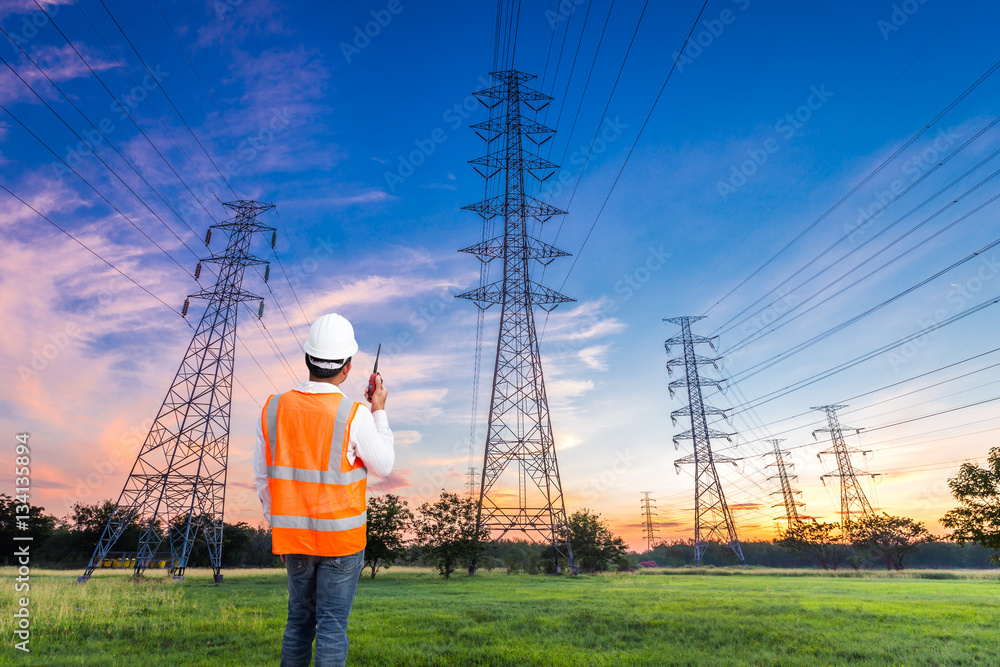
x: 320, y: 593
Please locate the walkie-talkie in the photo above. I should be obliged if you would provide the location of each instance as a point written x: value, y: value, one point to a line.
x: 372, y: 379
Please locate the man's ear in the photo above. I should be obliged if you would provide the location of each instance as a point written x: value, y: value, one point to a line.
x: 347, y: 369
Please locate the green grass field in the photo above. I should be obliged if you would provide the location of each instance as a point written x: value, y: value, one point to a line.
x: 411, y: 616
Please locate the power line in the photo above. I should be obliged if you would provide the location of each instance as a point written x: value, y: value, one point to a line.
x: 125, y: 111
x: 569, y: 79
x: 109, y: 168
x: 93, y: 252
x: 851, y: 399
x: 764, y: 365
x: 562, y: 47
x: 96, y: 191
x: 89, y: 122
x: 170, y: 101
x: 604, y: 113
x: 673, y: 66
x: 249, y: 164
x: 869, y: 355
x: 909, y: 142
x: 586, y: 86
x: 731, y: 322
x: 714, y: 269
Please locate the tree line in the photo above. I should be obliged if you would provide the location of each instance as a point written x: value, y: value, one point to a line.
x: 443, y: 534
x: 439, y: 534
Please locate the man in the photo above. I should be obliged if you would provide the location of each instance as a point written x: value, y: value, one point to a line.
x: 314, y: 451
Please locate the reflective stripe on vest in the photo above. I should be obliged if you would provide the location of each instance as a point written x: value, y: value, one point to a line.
x: 317, y: 476
x: 325, y: 525
x: 317, y: 496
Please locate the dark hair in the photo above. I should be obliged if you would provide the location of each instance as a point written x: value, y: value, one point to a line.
x: 323, y: 373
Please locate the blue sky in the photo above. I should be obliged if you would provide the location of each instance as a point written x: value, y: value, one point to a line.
x: 363, y: 147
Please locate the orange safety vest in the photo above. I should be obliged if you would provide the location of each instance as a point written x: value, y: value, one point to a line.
x: 317, y: 497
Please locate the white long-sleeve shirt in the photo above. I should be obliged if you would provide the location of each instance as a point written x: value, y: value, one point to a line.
x: 371, y: 440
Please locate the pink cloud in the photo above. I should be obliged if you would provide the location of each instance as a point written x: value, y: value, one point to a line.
x: 232, y: 23
x: 24, y: 28
x: 59, y: 63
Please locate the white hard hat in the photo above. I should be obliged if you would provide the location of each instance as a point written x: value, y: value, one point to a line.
x: 331, y: 337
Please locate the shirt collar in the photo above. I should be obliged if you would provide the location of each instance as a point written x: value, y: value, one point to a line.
x: 310, y: 387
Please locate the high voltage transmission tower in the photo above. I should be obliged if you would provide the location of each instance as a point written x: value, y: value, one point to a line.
x: 648, y: 524
x: 177, y: 484
x: 853, y: 502
x: 470, y: 483
x: 519, y: 436
x: 712, y: 519
x: 789, y: 503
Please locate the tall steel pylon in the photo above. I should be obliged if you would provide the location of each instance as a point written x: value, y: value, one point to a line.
x: 178, y: 481
x: 788, y: 501
x: 712, y: 519
x: 471, y: 483
x: 648, y: 506
x: 519, y: 435
x: 853, y: 501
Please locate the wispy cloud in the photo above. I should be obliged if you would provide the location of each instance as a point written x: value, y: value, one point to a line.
x: 595, y: 356
x: 366, y: 197
x: 234, y: 23
x: 59, y: 63
x: 12, y: 7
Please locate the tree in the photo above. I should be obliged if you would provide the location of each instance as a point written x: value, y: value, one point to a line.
x: 388, y: 518
x: 446, y: 532
x: 890, y: 539
x: 977, y: 520
x: 816, y: 540
x: 595, y: 548
x: 87, y: 523
x: 235, y: 543
x: 512, y: 560
x: 37, y: 524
